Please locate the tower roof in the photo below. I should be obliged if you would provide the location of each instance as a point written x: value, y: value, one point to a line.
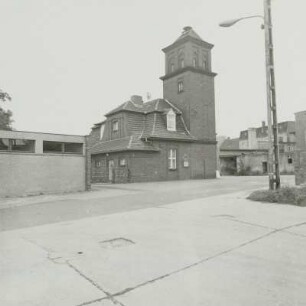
x: 189, y: 31
x: 188, y: 34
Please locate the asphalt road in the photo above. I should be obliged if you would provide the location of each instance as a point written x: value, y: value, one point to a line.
x: 110, y: 199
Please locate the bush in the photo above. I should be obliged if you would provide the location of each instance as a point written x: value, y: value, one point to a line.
x: 284, y: 195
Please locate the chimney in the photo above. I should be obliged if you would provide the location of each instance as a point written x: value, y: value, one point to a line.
x: 137, y: 99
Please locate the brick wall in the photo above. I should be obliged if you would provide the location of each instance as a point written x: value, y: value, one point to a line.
x: 153, y: 166
x: 196, y: 102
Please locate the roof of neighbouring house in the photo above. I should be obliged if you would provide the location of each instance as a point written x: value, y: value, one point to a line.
x: 230, y: 144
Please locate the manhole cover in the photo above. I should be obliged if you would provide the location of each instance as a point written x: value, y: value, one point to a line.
x: 116, y: 243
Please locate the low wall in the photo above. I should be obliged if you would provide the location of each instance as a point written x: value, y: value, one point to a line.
x: 39, y: 172
x: 23, y: 174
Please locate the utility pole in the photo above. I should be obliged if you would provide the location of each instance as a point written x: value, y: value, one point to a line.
x: 273, y: 154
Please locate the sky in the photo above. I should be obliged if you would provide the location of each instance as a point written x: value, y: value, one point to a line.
x: 66, y: 63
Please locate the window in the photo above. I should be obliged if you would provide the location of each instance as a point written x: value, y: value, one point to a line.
x: 194, y: 62
x: 171, y: 66
x: 4, y: 144
x: 180, y: 86
x: 171, y: 120
x: 204, y: 63
x: 185, y: 161
x: 115, y: 126
x: 181, y: 61
x: 53, y: 147
x: 70, y: 147
x: 290, y: 160
x: 97, y: 164
x: 122, y: 162
x: 17, y: 145
x: 23, y: 145
x: 62, y: 147
x: 102, y: 130
x: 172, y: 159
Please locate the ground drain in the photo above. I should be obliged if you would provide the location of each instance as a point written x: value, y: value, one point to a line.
x: 116, y: 243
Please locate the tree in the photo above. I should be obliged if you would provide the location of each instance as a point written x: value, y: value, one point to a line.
x: 5, y: 116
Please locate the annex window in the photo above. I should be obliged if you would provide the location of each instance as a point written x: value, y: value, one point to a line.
x: 171, y: 120
x: 73, y: 148
x: 4, y: 144
x: 180, y: 86
x: 62, y: 147
x: 172, y: 159
x: 53, y: 147
x: 23, y: 145
x: 102, y: 130
x: 115, y: 126
x: 17, y: 145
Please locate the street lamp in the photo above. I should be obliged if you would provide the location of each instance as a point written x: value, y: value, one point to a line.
x: 273, y: 152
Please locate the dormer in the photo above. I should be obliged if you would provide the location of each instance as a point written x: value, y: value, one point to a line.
x: 171, y: 120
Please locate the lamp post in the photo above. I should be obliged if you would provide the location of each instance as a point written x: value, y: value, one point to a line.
x: 273, y: 152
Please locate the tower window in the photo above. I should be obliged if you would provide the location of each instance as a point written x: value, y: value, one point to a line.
x: 182, y: 63
x: 204, y: 63
x: 180, y: 85
x: 172, y: 159
x: 171, y: 120
x: 171, y: 66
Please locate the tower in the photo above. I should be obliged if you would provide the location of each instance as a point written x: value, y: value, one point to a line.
x: 188, y: 82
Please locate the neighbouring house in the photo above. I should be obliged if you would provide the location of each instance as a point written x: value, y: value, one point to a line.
x: 248, y: 154
x: 38, y: 163
x: 300, y: 156
x: 170, y: 138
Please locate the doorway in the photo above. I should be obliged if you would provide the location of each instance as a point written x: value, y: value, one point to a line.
x: 111, y: 170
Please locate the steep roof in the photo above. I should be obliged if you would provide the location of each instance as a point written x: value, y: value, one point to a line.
x: 130, y: 143
x: 151, y: 125
x: 157, y: 105
x: 189, y: 32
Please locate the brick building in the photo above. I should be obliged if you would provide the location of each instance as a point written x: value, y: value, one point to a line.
x: 300, y: 157
x: 249, y: 152
x: 170, y: 138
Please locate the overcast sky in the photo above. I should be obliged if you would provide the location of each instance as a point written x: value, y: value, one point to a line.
x: 68, y: 62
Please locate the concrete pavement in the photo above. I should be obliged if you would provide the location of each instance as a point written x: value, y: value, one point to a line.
x: 219, y: 250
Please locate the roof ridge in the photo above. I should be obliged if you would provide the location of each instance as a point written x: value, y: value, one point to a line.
x: 157, y: 104
x: 130, y: 142
x: 173, y: 106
